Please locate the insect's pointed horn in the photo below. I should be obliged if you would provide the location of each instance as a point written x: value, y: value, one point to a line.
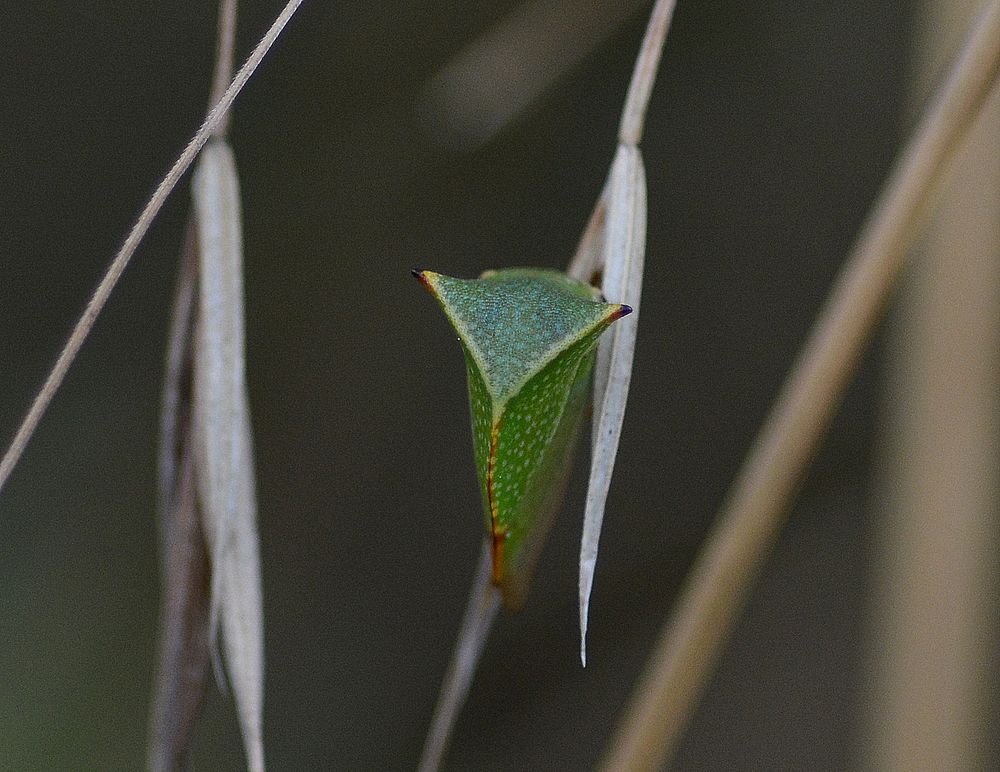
x: 423, y: 276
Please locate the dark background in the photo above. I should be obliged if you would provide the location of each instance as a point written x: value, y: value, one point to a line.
x: 770, y: 129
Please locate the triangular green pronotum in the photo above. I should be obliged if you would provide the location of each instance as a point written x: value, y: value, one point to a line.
x: 529, y: 338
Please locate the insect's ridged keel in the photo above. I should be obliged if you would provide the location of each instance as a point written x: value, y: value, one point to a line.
x: 498, y: 534
x: 496, y: 551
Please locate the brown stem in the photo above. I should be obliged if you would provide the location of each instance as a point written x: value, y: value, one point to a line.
x: 183, y: 656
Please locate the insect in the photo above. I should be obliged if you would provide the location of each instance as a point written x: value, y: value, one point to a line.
x: 530, y: 338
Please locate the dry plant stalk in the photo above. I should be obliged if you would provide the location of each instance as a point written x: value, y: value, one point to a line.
x: 612, y: 248
x: 206, y: 498
x: 481, y: 611
x: 932, y: 610
x: 211, y: 522
x: 749, y: 522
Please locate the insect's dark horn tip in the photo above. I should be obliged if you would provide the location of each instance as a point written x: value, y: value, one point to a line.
x: 623, y: 310
x: 420, y: 274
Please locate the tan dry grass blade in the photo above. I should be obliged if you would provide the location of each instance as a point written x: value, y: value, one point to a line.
x: 751, y: 518
x: 613, y: 246
x: 934, y: 601
x: 223, y: 446
x: 481, y: 610
x: 624, y: 246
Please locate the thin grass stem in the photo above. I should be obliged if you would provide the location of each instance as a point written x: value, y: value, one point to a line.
x: 644, y: 75
x: 480, y: 612
x: 224, y: 55
x: 142, y: 225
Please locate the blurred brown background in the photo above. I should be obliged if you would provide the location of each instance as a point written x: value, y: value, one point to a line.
x: 770, y: 129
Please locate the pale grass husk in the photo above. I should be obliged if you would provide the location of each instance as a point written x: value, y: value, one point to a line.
x: 223, y: 448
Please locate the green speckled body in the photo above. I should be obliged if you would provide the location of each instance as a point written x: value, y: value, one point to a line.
x: 529, y: 338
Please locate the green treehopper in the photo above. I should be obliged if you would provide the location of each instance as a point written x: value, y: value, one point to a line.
x: 530, y: 338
